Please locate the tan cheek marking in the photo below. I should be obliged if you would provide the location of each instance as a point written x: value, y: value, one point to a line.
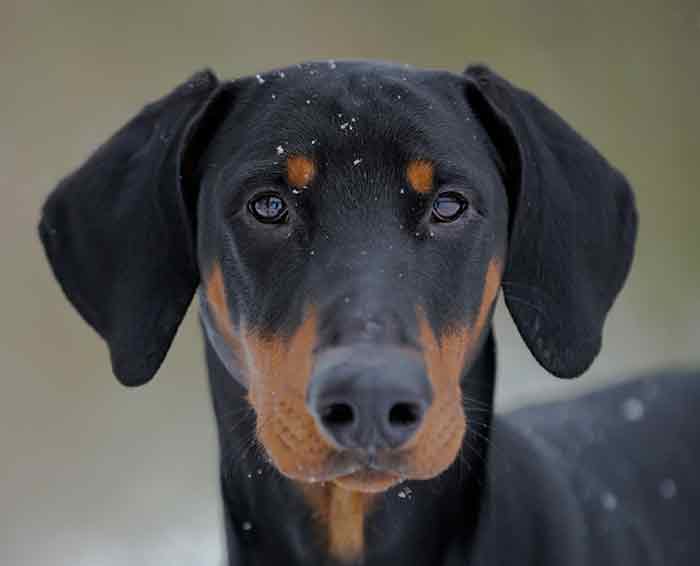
x: 279, y: 369
x: 342, y: 515
x: 439, y: 440
x: 300, y: 171
x: 216, y: 296
x: 420, y: 175
x: 491, y: 287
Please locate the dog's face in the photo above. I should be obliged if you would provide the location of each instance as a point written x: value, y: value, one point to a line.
x: 352, y: 229
x: 348, y: 226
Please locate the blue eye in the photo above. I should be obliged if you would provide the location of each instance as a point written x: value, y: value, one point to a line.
x: 447, y: 207
x: 269, y: 209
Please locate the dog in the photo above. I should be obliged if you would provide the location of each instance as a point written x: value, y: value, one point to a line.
x: 347, y: 228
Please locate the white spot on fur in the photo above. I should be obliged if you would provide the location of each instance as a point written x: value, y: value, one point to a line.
x: 668, y: 489
x: 633, y: 409
x: 608, y: 501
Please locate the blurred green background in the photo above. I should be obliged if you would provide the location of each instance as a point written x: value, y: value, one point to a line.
x: 95, y: 474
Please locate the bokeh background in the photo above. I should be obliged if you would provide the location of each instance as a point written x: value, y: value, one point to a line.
x: 94, y: 474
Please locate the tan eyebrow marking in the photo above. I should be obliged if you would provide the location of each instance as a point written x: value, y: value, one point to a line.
x: 420, y: 173
x: 301, y: 170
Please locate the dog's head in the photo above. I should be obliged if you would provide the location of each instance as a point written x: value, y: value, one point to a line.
x: 349, y: 226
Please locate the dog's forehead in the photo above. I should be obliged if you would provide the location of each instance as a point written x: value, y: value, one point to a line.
x: 356, y: 111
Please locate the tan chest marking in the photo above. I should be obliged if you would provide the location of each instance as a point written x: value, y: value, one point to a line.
x: 341, y: 515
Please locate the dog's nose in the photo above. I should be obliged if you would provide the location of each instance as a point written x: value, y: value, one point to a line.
x: 369, y: 398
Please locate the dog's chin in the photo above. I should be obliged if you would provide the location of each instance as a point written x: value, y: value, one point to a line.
x: 368, y: 481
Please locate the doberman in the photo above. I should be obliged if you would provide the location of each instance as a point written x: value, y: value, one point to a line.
x: 347, y: 228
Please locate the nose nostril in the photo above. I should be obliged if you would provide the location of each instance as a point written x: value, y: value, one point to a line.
x: 337, y: 415
x: 404, y: 415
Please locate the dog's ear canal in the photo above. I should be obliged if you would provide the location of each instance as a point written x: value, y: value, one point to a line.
x: 573, y: 225
x: 120, y: 231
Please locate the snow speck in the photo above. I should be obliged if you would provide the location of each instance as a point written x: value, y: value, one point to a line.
x: 346, y: 300
x: 314, y: 142
x: 608, y: 501
x: 281, y: 74
x: 398, y: 97
x: 332, y: 64
x: 405, y: 493
x: 668, y: 489
x: 402, y: 191
x: 247, y: 525
x: 363, y: 252
x: 357, y: 162
x: 312, y: 252
x: 273, y: 96
x: 432, y: 234
x: 296, y: 191
x: 259, y: 471
x: 260, y: 79
x: 280, y: 150
x: 344, y: 126
x: 308, y: 101
x: 632, y: 409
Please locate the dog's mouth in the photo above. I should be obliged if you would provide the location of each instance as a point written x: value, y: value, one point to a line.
x: 360, y: 472
x: 368, y: 480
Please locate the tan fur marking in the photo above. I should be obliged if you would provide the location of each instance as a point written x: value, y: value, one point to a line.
x: 438, y: 441
x: 216, y: 296
x: 279, y: 369
x: 301, y: 170
x: 341, y: 514
x: 420, y: 175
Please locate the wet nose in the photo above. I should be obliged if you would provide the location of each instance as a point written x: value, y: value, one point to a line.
x: 368, y: 398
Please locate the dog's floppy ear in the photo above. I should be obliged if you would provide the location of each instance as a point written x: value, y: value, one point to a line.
x: 573, y: 225
x: 119, y: 231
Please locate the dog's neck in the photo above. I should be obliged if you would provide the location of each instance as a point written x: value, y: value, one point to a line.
x: 273, y: 520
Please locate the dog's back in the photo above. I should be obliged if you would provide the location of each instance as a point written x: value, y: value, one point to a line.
x: 609, y: 478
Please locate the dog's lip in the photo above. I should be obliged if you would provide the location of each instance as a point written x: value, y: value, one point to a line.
x: 368, y: 480
x: 346, y: 465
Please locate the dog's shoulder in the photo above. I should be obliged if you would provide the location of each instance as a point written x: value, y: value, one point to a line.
x: 609, y: 477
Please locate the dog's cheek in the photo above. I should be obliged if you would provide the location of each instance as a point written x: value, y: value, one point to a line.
x: 437, y: 443
x: 279, y: 370
x: 439, y: 440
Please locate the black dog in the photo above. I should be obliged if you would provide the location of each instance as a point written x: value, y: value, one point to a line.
x: 347, y: 228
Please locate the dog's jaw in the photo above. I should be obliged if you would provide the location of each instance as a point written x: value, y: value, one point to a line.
x: 254, y: 491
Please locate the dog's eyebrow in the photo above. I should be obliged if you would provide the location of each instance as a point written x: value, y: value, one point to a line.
x: 420, y: 174
x: 301, y: 170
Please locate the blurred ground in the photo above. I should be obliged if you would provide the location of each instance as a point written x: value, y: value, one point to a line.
x: 94, y: 474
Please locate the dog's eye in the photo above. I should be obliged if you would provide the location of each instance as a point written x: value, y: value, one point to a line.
x: 448, y: 207
x: 270, y: 209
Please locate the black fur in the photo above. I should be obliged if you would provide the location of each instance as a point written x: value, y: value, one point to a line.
x: 132, y: 231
